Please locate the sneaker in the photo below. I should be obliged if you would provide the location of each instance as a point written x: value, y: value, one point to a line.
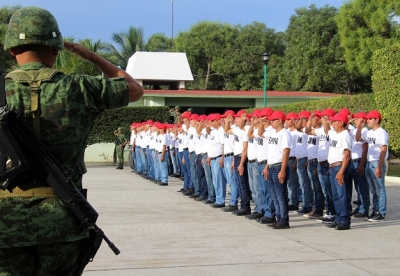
x: 266, y: 220
x: 254, y: 215
x: 377, y: 218
x: 229, y: 208
x: 293, y: 207
x: 303, y: 211
x: 327, y: 219
x: 341, y: 226
x: 373, y: 214
x: 279, y: 225
x: 360, y: 215
x: 313, y: 215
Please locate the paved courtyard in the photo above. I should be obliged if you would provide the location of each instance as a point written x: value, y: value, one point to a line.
x: 162, y: 232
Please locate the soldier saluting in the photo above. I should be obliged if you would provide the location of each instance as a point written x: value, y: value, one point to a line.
x: 39, y: 235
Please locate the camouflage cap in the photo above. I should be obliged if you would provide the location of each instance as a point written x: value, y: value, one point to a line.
x: 177, y: 107
x: 120, y: 128
x: 33, y: 25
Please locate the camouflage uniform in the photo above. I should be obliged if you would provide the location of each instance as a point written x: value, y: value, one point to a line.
x: 41, y: 228
x: 120, y: 142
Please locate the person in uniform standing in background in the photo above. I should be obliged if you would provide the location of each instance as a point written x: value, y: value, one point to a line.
x: 120, y: 142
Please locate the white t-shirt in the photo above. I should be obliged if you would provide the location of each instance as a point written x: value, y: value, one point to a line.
x: 216, y: 142
x: 252, y: 148
x: 179, y: 141
x: 172, y: 139
x: 356, y: 149
x: 312, y: 146
x: 239, y: 137
x: 277, y: 142
x: 376, y: 139
x: 295, y: 136
x: 338, y: 143
x: 301, y: 145
x: 161, y: 141
x: 133, y: 137
x: 199, y: 143
x: 262, y: 144
x: 323, y: 145
x: 153, y: 137
x: 191, y: 133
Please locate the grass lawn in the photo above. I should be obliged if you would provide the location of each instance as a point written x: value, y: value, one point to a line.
x: 394, y: 170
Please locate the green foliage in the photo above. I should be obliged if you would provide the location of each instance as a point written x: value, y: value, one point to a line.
x: 360, y: 102
x: 158, y: 43
x: 386, y: 86
x: 128, y: 43
x: 110, y: 120
x: 6, y: 60
x: 365, y: 26
x: 314, y: 59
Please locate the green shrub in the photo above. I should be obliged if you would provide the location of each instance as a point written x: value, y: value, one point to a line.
x: 110, y: 120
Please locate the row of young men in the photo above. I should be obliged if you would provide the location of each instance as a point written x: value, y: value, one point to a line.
x: 276, y: 159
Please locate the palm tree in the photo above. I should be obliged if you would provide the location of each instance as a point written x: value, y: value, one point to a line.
x: 128, y: 43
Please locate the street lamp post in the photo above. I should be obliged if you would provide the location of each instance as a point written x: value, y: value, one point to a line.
x: 265, y: 58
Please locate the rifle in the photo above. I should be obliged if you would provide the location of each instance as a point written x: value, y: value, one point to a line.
x: 22, y: 153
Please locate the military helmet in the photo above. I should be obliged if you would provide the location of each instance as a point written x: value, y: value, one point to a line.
x: 33, y: 25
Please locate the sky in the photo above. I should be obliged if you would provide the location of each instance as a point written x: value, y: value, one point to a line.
x: 99, y: 19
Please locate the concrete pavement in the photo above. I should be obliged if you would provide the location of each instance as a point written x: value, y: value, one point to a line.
x: 162, y: 232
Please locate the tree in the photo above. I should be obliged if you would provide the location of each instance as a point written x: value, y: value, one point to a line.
x: 158, y: 43
x: 6, y: 60
x: 207, y: 46
x: 365, y: 26
x: 129, y: 43
x: 314, y: 59
x: 71, y: 64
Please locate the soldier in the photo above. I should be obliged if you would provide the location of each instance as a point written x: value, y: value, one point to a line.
x: 176, y: 113
x: 120, y: 142
x: 39, y: 234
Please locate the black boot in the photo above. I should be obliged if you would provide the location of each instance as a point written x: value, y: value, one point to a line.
x: 121, y: 166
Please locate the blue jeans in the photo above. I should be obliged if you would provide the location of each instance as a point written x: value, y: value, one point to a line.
x: 293, y: 184
x: 209, y: 179
x: 188, y: 183
x: 157, y: 168
x: 361, y: 186
x: 175, y: 165
x: 324, y: 179
x: 178, y: 161
x: 252, y: 170
x: 279, y: 194
x: 143, y: 160
x: 138, y: 159
x: 232, y: 181
x: 193, y: 174
x: 201, y: 177
x: 150, y: 160
x: 319, y: 199
x: 163, y: 167
x: 218, y: 181
x: 305, y: 184
x: 183, y: 171
x: 377, y: 187
x: 267, y: 204
x: 243, y: 184
x: 340, y: 195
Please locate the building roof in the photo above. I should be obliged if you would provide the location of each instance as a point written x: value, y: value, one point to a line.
x: 237, y: 94
x: 163, y: 66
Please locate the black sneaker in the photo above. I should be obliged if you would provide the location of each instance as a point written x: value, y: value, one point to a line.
x: 254, y: 215
x: 331, y: 225
x: 341, y: 226
x: 207, y: 201
x: 243, y: 212
x: 229, y: 208
x: 360, y: 215
x: 293, y: 207
x: 266, y: 220
x: 181, y: 190
x: 279, y: 225
x: 327, y: 219
x: 373, y: 214
x: 313, y: 215
x: 303, y: 211
x: 377, y: 218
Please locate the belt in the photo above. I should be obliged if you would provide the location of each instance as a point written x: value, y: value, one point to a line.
x: 200, y: 154
x: 213, y: 158
x: 292, y: 157
x: 228, y: 154
x: 312, y: 160
x: 252, y: 161
x: 323, y: 162
x: 185, y: 148
x: 238, y: 155
x: 262, y: 162
x: 191, y: 152
x: 339, y: 163
x: 275, y: 165
x: 37, y: 192
x: 356, y: 160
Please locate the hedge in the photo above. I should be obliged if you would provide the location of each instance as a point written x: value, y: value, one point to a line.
x: 110, y: 120
x: 386, y: 85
